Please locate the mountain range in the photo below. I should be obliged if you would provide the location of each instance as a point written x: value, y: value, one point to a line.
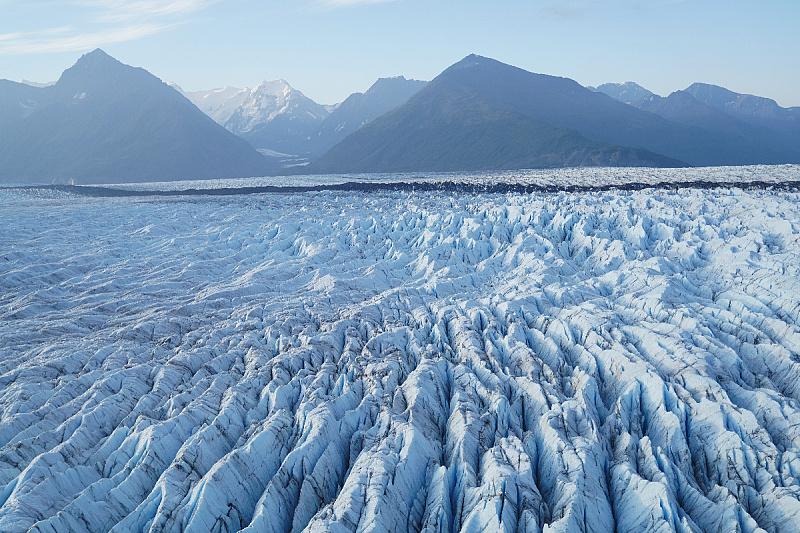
x: 103, y: 121
x: 483, y: 114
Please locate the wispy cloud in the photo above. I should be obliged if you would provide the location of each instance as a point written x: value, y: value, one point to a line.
x: 333, y: 4
x: 115, y: 11
x: 48, y: 41
x: 102, y: 22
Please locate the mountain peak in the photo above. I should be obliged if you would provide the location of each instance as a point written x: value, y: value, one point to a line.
x: 474, y: 66
x: 97, y: 53
x: 627, y: 92
x: 395, y: 84
x: 270, y: 101
x: 98, y: 70
x: 713, y: 95
x: 96, y: 57
x: 473, y: 60
x: 274, y: 87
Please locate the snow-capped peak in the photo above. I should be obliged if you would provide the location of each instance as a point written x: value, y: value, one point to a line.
x: 268, y: 100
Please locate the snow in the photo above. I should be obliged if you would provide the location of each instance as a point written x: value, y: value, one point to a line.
x: 242, y: 110
x: 219, y: 104
x: 268, y: 100
x: 403, y: 361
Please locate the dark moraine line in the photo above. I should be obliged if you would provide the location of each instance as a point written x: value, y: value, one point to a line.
x: 442, y: 186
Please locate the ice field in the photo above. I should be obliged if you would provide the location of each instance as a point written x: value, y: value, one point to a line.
x: 336, y: 361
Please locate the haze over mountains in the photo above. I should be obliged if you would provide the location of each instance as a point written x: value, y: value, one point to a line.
x: 107, y: 122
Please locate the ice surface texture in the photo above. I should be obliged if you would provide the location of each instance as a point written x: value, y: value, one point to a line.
x: 331, y: 361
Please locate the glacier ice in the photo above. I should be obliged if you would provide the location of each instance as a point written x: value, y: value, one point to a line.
x: 401, y: 361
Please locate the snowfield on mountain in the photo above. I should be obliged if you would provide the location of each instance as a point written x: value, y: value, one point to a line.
x: 337, y: 361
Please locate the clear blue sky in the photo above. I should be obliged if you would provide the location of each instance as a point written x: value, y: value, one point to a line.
x: 331, y: 48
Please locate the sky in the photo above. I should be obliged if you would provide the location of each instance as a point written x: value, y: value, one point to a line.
x: 329, y: 49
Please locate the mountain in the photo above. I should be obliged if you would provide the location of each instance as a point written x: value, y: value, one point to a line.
x: 104, y: 121
x: 361, y: 108
x: 626, y: 92
x: 482, y: 114
x: 275, y: 116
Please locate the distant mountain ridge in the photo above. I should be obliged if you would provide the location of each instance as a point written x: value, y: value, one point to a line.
x: 103, y: 121
x: 761, y: 130
x: 741, y: 105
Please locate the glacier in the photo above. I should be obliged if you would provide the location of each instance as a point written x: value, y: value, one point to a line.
x: 336, y: 361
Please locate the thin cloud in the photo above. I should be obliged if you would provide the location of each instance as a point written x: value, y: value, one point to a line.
x: 333, y: 4
x: 11, y: 36
x: 50, y: 32
x: 105, y: 22
x: 46, y: 42
x: 114, y: 11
